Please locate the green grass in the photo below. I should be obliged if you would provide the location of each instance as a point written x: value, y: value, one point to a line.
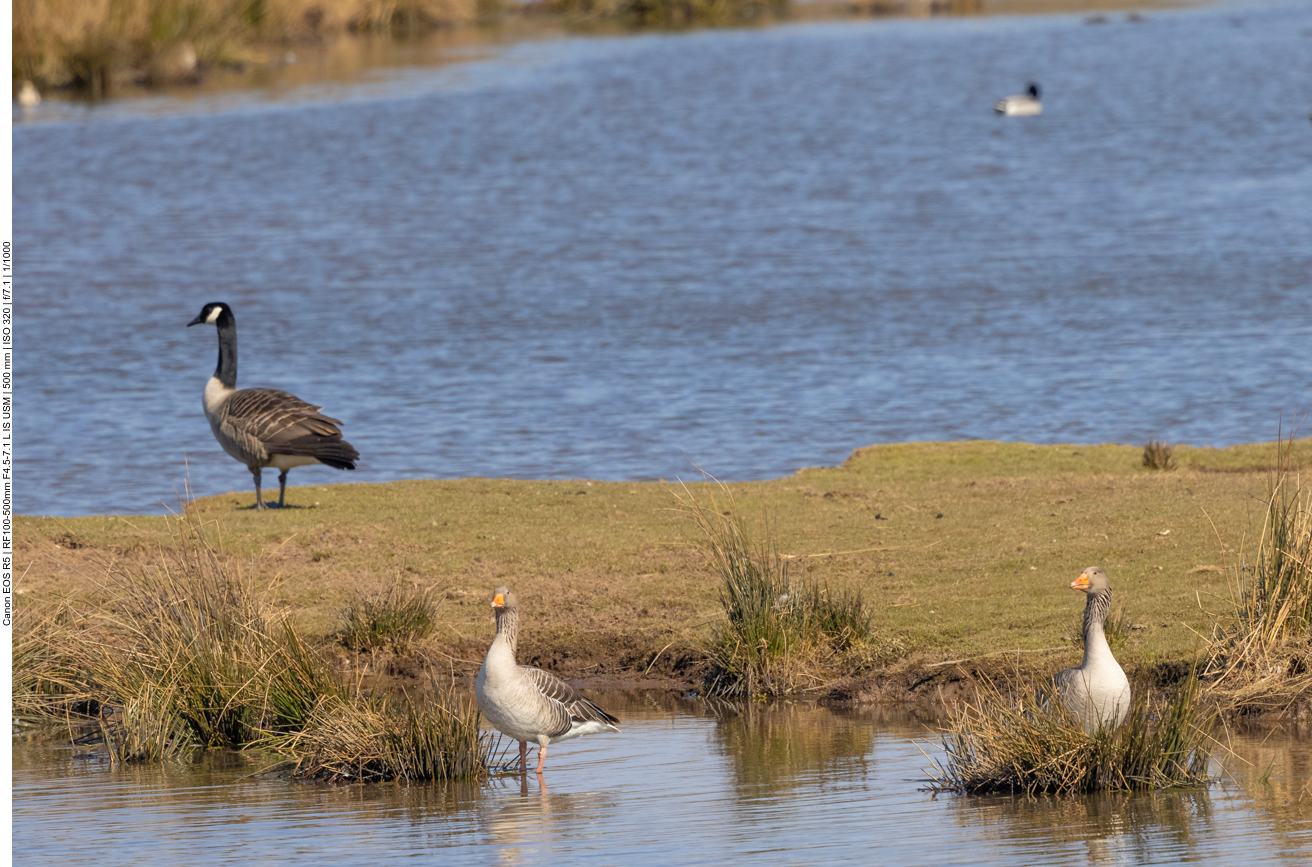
x: 1033, y: 744
x: 614, y: 571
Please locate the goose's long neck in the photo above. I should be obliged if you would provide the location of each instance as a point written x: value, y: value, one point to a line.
x: 508, y: 629
x: 1096, y: 648
x: 226, y: 371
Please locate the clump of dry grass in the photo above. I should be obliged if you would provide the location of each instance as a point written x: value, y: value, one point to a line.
x: 1261, y: 657
x: 1157, y: 455
x: 186, y: 652
x: 1033, y: 744
x: 389, y: 736
x: 146, y: 729
x: 398, y: 618
x: 192, y: 628
x: 780, y: 635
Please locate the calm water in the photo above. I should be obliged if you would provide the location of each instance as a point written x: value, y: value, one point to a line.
x: 681, y: 785
x: 756, y: 250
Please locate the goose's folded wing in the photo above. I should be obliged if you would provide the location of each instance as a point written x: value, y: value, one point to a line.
x: 575, y: 706
x: 286, y: 425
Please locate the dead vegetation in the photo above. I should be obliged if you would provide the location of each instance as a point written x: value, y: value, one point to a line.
x: 1261, y: 650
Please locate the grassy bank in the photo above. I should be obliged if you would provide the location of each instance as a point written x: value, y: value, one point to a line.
x: 99, y: 46
x: 964, y: 552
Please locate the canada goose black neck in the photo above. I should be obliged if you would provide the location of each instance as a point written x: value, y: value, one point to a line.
x: 219, y: 315
x: 226, y: 371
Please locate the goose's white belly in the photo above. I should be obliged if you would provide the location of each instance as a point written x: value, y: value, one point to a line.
x: 511, y: 708
x: 1100, y: 693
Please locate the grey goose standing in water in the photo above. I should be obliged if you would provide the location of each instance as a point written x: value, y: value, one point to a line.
x: 264, y: 427
x: 1098, y: 691
x: 527, y: 703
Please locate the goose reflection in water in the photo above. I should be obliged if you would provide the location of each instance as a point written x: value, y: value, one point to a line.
x: 526, y: 822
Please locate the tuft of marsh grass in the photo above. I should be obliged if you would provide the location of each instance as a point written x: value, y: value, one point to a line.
x: 780, y: 635
x: 184, y: 637
x: 389, y: 736
x: 1263, y: 655
x: 187, y: 653
x: 397, y: 618
x: 1157, y: 455
x: 1033, y: 744
x: 146, y: 729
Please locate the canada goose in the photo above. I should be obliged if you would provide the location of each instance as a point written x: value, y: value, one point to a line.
x: 264, y: 427
x: 1020, y: 105
x: 527, y: 703
x: 28, y: 95
x: 1098, y: 691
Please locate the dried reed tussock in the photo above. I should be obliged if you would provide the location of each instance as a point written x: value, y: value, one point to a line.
x: 1261, y: 655
x: 1033, y: 744
x: 781, y: 635
x: 146, y: 729
x: 389, y: 737
x: 1157, y: 455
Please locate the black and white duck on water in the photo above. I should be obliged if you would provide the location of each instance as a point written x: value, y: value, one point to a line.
x: 1020, y: 105
x: 264, y: 427
x: 1097, y: 692
x: 527, y: 703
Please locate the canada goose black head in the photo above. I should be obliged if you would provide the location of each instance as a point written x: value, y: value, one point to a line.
x: 214, y: 313
x: 1033, y: 90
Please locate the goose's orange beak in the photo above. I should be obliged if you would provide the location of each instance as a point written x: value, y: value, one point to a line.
x: 1081, y: 583
x: 498, y: 601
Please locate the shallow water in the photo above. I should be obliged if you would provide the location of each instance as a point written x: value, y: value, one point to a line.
x: 755, y: 250
x: 685, y: 783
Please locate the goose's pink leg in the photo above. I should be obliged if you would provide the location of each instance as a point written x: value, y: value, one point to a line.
x: 542, y: 759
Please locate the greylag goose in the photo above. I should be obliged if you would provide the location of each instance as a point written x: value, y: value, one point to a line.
x: 264, y: 427
x: 1097, y: 692
x: 527, y: 703
x: 1020, y: 105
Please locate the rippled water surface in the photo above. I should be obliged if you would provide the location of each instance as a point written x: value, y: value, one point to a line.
x: 685, y: 783
x: 756, y: 250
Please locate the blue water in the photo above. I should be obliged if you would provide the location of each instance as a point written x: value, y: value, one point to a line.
x: 683, y: 784
x: 755, y: 250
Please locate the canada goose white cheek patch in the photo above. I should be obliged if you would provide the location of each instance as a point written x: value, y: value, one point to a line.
x: 214, y: 316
